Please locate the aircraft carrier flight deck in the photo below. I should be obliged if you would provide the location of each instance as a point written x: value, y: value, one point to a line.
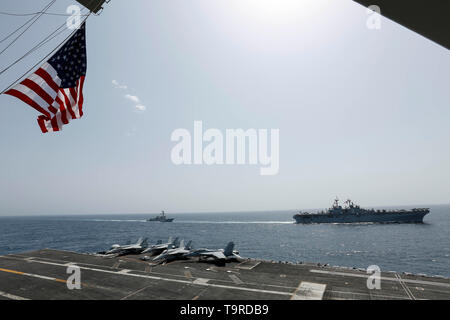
x: 42, y: 275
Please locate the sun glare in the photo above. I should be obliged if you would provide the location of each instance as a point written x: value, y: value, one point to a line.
x: 278, y: 10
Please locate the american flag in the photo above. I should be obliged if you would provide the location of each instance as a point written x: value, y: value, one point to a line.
x: 56, y: 88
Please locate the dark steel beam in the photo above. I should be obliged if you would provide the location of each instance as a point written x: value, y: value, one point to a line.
x: 92, y: 5
x: 429, y: 18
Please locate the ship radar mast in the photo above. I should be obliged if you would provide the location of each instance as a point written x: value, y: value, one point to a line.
x: 336, y: 203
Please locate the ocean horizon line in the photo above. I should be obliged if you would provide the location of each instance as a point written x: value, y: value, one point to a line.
x: 31, y: 215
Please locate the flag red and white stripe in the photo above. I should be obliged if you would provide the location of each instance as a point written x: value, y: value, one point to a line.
x: 56, y: 88
x: 41, y: 90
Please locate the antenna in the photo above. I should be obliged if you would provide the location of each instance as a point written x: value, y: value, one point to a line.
x: 336, y: 202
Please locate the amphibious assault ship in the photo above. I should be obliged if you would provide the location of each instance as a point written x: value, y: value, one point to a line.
x: 161, y: 218
x: 354, y: 214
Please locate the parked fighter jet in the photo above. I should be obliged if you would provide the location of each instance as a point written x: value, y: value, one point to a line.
x: 138, y: 247
x: 221, y: 254
x: 226, y: 253
x: 175, y: 253
x: 160, y: 247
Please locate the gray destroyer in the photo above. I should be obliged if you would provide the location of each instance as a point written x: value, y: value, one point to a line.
x: 161, y: 218
x: 354, y: 214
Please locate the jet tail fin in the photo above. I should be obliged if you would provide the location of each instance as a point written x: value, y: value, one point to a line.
x: 228, y: 251
x: 188, y: 246
x: 181, y: 245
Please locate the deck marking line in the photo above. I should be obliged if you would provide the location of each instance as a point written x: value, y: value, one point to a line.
x: 405, y: 287
x: 11, y: 271
x: 309, y: 291
x: 32, y: 275
x: 177, y: 280
x: 123, y: 271
x: 200, y: 281
x: 235, y: 279
x: 241, y: 265
x: 12, y: 296
x: 133, y: 293
x: 366, y: 295
x: 432, y: 283
x: 168, y: 279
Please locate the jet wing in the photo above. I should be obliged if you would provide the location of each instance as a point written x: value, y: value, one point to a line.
x: 216, y: 254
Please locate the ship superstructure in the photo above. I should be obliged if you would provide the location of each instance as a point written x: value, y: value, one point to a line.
x: 161, y: 218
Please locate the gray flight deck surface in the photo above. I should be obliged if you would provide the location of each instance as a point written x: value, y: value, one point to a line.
x: 42, y: 275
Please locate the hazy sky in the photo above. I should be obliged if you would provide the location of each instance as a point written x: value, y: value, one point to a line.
x: 361, y: 113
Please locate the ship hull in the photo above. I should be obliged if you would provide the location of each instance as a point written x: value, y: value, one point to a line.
x: 158, y: 220
x: 375, y: 217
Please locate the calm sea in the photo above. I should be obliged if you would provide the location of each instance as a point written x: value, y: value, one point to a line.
x: 417, y: 248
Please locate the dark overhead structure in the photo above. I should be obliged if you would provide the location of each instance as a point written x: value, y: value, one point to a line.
x: 92, y: 5
x: 430, y: 18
